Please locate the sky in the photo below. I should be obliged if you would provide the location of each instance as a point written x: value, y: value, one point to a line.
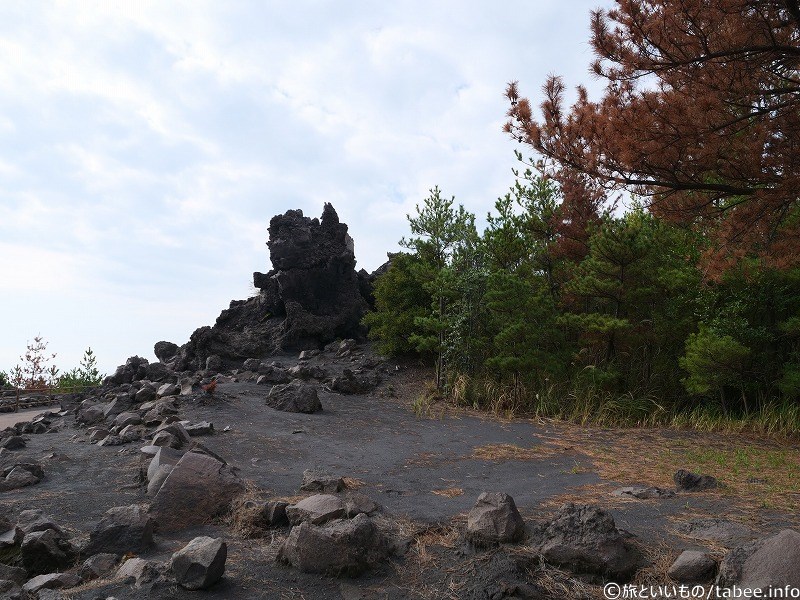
x: 144, y: 146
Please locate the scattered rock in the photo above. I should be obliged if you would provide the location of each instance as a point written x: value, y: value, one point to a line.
x: 273, y: 513
x: 272, y: 374
x: 728, y: 533
x: 122, y: 529
x: 251, y: 364
x: 20, y: 475
x: 585, y: 540
x: 111, y: 440
x: 168, y: 389
x: 139, y: 571
x: 693, y: 566
x: 357, y: 504
x: 91, y: 414
x: 165, y: 440
x: 35, y: 520
x: 98, y: 565
x: 15, y: 574
x: 316, y: 481
x: 316, y: 509
x: 165, y: 350
x: 46, y: 551
x: 163, y: 456
x: 339, y: 548
x: 158, y: 479
x: 127, y: 418
x: 773, y: 561
x: 198, y: 429
x: 98, y: 434
x: 644, y: 493
x: 200, y: 564
x: 14, y: 442
x: 51, y: 581
x: 495, y: 519
x: 197, y: 489
x: 686, y: 481
x: 349, y: 383
x: 147, y: 393
x: 131, y: 433
x: 187, y: 386
x: 294, y: 397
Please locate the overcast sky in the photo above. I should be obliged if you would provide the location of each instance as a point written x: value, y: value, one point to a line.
x: 144, y: 146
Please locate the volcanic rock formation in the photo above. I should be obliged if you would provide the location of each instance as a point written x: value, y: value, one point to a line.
x: 312, y: 296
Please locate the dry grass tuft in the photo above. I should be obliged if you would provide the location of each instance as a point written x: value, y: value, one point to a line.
x: 449, y: 492
x: 509, y: 452
x: 351, y: 483
x: 244, y: 518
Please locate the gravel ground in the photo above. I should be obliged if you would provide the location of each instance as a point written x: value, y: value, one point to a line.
x: 426, y: 472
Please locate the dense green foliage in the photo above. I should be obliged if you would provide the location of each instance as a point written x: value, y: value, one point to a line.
x: 628, y: 330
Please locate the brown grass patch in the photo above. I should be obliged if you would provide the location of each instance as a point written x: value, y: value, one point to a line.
x: 594, y: 493
x: 449, y: 492
x: 509, y: 452
x: 425, y: 459
x: 757, y: 473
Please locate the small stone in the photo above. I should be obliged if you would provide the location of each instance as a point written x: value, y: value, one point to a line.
x: 98, y: 565
x: 686, y: 481
x: 46, y: 551
x: 51, y: 581
x: 111, y: 440
x: 122, y: 529
x: 15, y: 574
x: 200, y: 564
x: 315, y: 481
x: 98, y: 435
x: 147, y: 393
x: 643, y: 493
x: 495, y: 519
x: 127, y: 418
x: 693, y: 566
x: 294, y: 397
x: 316, y: 509
x: 198, y: 429
x: 15, y: 442
x: 139, y: 570
x: 357, y: 504
x: 339, y: 548
x: 168, y: 389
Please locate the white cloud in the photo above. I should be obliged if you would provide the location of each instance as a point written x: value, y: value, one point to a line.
x: 144, y: 146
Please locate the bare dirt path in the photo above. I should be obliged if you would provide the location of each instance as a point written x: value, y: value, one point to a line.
x: 9, y: 419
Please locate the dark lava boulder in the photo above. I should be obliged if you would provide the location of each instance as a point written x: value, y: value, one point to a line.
x: 337, y: 548
x: 122, y: 529
x: 296, y: 397
x: 585, y: 540
x: 312, y: 296
x: 494, y: 519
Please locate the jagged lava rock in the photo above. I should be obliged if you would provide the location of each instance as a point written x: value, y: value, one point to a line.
x: 312, y: 296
